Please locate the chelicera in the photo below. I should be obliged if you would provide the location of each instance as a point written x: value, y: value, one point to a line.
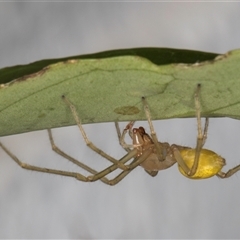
x: 145, y: 150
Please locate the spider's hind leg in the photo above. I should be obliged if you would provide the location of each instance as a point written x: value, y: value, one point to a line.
x: 202, y: 135
x: 229, y: 173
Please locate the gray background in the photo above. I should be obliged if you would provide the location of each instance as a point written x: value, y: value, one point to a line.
x: 38, y: 205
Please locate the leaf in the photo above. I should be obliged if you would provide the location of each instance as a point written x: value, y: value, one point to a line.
x: 108, y: 86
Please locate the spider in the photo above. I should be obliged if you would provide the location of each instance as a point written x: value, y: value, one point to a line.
x: 145, y: 150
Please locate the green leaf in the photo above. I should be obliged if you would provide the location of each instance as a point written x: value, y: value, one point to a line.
x: 108, y: 86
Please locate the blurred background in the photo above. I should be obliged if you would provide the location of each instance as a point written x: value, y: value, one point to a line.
x: 39, y: 205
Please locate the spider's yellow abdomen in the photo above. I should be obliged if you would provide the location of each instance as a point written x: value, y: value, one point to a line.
x: 209, y: 164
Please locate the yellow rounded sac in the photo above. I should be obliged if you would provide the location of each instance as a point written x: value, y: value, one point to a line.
x: 210, y: 163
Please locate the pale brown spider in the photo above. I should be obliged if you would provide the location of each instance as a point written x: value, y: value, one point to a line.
x: 146, y: 151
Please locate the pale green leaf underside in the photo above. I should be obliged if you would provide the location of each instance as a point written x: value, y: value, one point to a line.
x: 107, y: 89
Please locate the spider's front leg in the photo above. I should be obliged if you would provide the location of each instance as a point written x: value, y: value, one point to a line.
x: 121, y: 136
x: 87, y: 141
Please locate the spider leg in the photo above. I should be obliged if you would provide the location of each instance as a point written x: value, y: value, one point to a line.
x: 123, y: 174
x: 129, y: 128
x: 158, y: 146
x: 205, y: 131
x: 71, y: 159
x: 179, y: 159
x: 89, y: 143
x: 78, y: 176
x: 229, y: 173
x: 118, y: 132
x: 100, y: 176
x: 121, y: 136
x: 127, y: 149
x: 201, y: 137
x: 137, y: 161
